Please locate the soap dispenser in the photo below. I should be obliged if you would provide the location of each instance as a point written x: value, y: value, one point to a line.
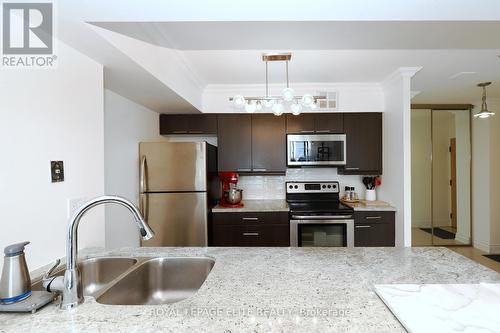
x: 15, y: 283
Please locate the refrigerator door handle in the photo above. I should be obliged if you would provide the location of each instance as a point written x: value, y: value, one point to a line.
x: 142, y: 175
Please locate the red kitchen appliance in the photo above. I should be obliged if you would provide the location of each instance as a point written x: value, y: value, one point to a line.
x: 229, y: 181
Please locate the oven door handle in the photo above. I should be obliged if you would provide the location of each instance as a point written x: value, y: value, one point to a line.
x: 322, y: 217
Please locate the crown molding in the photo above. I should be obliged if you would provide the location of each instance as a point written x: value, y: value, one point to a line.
x: 236, y: 88
x: 401, y: 72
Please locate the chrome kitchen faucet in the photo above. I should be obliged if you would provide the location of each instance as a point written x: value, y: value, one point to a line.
x: 69, y: 285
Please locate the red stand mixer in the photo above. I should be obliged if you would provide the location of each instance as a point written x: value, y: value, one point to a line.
x: 231, y: 196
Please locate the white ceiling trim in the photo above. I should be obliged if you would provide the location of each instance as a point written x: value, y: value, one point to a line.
x: 298, y: 86
x: 401, y: 72
x: 166, y: 65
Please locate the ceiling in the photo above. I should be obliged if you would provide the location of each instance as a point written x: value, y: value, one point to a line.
x: 360, y: 47
x: 455, y: 56
x: 312, y: 35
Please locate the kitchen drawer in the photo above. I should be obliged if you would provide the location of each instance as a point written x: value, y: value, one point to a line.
x: 250, y: 218
x: 374, y: 229
x: 251, y: 235
x: 373, y: 217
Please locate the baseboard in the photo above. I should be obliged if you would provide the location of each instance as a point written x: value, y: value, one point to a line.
x: 481, y: 246
x: 462, y: 238
x: 494, y: 249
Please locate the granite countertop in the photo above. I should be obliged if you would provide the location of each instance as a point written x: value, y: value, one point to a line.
x: 256, y: 206
x: 269, y: 290
x: 364, y: 205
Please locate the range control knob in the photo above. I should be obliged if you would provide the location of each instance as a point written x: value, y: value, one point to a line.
x: 290, y: 186
x: 329, y: 186
x: 296, y: 186
x: 324, y: 186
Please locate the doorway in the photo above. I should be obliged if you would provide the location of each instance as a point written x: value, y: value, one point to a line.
x: 441, y: 176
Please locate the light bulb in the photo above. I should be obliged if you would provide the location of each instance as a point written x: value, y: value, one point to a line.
x: 288, y: 94
x: 251, y: 107
x: 239, y: 101
x: 278, y: 109
x: 307, y: 100
x: 296, y: 109
x: 268, y: 103
x: 258, y: 106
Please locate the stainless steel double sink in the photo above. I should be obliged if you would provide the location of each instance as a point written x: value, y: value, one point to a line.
x: 141, y: 281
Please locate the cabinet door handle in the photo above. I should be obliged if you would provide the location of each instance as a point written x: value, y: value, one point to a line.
x: 243, y: 169
x: 179, y: 132
x: 250, y: 218
x: 373, y: 217
x: 306, y: 131
x: 196, y: 132
x: 363, y: 226
x: 351, y: 168
x: 260, y: 169
x: 250, y: 234
x: 323, y: 131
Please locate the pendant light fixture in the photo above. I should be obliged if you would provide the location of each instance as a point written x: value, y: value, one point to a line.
x: 484, y: 113
x: 277, y: 104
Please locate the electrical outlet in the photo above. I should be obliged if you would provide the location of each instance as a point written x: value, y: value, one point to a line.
x: 57, y: 171
x: 74, y: 204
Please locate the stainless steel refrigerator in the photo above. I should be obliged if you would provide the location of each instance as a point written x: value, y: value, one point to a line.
x: 178, y: 186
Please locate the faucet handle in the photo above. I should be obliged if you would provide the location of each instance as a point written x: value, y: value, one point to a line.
x: 51, y: 269
x: 52, y: 283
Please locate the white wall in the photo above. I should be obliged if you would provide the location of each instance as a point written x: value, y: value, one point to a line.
x: 51, y: 115
x: 396, y: 186
x: 481, y: 183
x: 495, y: 178
x: 485, y: 179
x: 125, y: 125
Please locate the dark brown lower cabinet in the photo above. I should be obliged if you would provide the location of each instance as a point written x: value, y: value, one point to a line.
x: 251, y: 229
x: 374, y: 228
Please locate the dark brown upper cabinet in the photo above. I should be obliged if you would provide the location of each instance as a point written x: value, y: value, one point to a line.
x: 303, y: 123
x: 193, y: 124
x: 364, y: 144
x: 315, y: 123
x: 252, y: 143
x: 235, y: 142
x: 329, y: 123
x: 268, y: 144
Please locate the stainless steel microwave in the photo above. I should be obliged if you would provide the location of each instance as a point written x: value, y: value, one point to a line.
x: 316, y: 150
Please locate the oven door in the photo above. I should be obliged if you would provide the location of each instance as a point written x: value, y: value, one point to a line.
x: 322, y: 233
x: 319, y: 149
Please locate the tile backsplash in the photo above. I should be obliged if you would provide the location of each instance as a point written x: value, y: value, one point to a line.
x: 273, y: 187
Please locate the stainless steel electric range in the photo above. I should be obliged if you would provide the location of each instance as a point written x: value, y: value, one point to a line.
x: 317, y: 217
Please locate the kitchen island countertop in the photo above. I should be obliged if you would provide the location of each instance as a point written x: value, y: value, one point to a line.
x: 255, y: 206
x: 268, y: 290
